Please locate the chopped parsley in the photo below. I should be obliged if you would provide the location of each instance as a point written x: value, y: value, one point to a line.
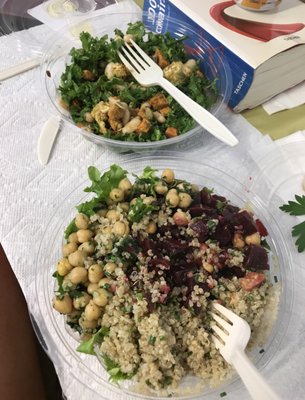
x: 297, y: 208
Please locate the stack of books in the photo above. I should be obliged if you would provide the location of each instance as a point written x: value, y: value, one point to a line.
x: 265, y: 51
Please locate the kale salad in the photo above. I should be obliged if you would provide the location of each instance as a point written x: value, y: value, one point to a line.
x: 102, y: 96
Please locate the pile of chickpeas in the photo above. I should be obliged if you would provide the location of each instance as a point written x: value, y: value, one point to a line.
x: 96, y: 278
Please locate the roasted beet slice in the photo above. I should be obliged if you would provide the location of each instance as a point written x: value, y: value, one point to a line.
x: 244, y: 219
x: 150, y: 305
x: 210, y: 211
x: 215, y: 198
x: 172, y: 230
x: 229, y: 272
x: 205, y: 196
x: 229, y: 211
x: 223, y: 234
x: 256, y: 257
x: 196, y: 198
x: 173, y: 247
x: 196, y: 210
x: 148, y: 244
x: 201, y: 230
x: 179, y: 277
x: 159, y: 263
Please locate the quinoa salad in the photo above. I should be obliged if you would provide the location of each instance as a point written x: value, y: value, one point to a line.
x: 142, y: 262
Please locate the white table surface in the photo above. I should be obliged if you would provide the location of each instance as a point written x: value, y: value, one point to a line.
x: 30, y: 192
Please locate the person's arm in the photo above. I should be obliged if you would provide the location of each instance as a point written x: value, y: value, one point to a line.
x: 20, y: 373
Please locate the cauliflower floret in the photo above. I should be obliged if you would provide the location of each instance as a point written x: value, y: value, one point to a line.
x: 177, y: 72
x: 116, y: 70
x: 174, y: 72
x: 99, y: 113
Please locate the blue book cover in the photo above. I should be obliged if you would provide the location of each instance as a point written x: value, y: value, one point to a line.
x: 241, y: 72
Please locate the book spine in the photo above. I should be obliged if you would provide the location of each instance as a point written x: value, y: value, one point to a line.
x: 155, y: 19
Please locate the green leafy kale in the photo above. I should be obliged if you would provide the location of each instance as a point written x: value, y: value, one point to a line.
x: 139, y: 209
x: 297, y: 208
x: 87, y: 346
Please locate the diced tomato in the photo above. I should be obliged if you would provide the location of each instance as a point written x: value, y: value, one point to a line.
x: 261, y: 228
x: 165, y: 288
x: 252, y: 280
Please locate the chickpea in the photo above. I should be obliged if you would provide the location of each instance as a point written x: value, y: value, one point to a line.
x: 238, y: 241
x: 151, y: 227
x: 69, y: 248
x: 253, y: 239
x: 148, y: 200
x: 125, y: 185
x: 110, y: 267
x: 73, y: 238
x: 100, y: 297
x: 87, y: 247
x: 104, y: 282
x: 85, y: 324
x: 120, y: 228
x: 161, y: 188
x: 168, y: 175
x: 172, y: 198
x: 125, y: 206
x: 84, y: 235
x: 208, y: 267
x: 133, y: 201
x: 185, y: 200
x: 102, y: 213
x: 63, y: 267
x: 92, y: 311
x: 180, y: 218
x: 77, y: 258
x: 116, y: 195
x: 92, y: 287
x: 81, y: 221
x: 64, y: 305
x: 113, y: 215
x: 95, y: 273
x: 81, y: 301
x: 78, y: 275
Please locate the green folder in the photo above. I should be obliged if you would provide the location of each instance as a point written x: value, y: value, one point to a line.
x: 277, y: 125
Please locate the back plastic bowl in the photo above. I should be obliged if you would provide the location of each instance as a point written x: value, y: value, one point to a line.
x: 60, y: 343
x: 57, y: 56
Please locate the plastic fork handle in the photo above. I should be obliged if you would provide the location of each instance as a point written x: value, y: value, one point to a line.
x: 19, y: 68
x: 257, y: 386
x: 200, y: 114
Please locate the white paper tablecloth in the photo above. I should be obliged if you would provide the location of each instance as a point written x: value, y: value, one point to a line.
x: 30, y: 193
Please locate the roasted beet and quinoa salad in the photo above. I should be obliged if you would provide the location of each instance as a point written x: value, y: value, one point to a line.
x: 142, y: 263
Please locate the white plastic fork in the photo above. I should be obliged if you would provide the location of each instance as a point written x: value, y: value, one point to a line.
x: 231, y: 336
x: 148, y: 73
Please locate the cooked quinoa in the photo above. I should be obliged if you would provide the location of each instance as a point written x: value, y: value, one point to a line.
x: 142, y: 264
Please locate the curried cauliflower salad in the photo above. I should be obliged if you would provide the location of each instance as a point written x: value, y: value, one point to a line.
x: 103, y: 98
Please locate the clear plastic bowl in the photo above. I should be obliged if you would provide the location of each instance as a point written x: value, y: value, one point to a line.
x: 61, y: 344
x: 57, y: 56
